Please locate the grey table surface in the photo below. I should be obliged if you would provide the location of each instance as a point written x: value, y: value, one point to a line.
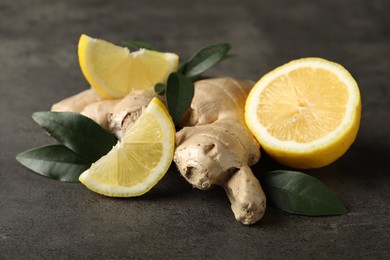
x: 45, y: 219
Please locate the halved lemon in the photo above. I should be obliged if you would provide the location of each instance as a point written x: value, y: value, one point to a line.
x: 306, y: 113
x: 137, y: 162
x: 114, y: 71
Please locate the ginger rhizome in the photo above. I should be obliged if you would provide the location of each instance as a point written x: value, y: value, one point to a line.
x: 214, y: 147
x: 114, y: 115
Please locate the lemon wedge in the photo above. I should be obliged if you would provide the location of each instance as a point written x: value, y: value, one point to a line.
x: 306, y: 113
x: 114, y: 71
x: 137, y: 162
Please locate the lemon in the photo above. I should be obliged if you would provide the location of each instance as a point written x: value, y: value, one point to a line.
x: 306, y: 113
x: 137, y: 162
x: 114, y: 71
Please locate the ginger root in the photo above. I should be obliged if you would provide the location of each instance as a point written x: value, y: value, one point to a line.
x: 114, y: 115
x: 216, y: 147
x: 87, y: 103
x: 123, y: 115
x: 77, y: 102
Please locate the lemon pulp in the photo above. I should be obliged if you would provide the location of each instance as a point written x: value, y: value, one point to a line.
x: 306, y: 110
x: 137, y: 162
x: 114, y: 71
x: 306, y: 113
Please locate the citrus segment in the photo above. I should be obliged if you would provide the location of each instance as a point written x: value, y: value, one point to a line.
x: 137, y: 162
x: 306, y: 113
x: 114, y: 71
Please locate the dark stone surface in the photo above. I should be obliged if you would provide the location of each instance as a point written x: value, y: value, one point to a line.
x: 42, y: 218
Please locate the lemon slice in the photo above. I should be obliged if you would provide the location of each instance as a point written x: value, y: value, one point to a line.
x: 306, y: 113
x: 137, y: 162
x: 114, y: 71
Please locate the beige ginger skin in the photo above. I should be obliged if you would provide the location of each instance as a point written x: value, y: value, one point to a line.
x: 114, y: 115
x: 214, y: 147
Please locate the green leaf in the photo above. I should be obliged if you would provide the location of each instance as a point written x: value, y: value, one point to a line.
x: 159, y: 88
x: 204, y: 59
x: 140, y: 45
x: 179, y: 94
x: 77, y: 132
x: 298, y: 193
x: 54, y: 161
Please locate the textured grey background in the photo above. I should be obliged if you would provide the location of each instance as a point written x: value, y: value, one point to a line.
x: 42, y: 218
